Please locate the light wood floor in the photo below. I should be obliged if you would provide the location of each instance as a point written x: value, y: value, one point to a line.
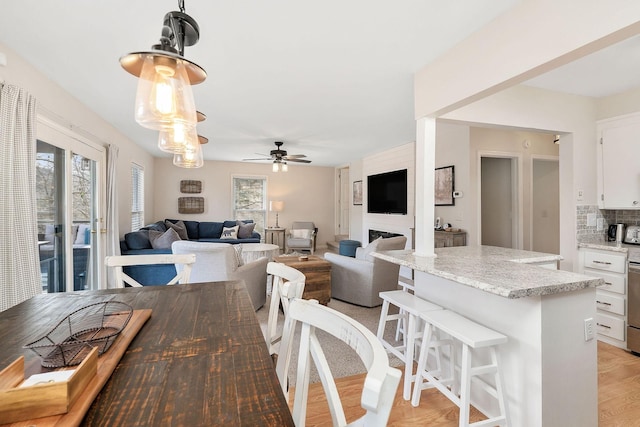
x: 618, y: 397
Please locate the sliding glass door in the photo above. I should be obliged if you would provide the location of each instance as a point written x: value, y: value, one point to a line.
x: 70, y: 230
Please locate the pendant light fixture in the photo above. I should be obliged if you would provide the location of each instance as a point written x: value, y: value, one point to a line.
x: 174, y: 139
x: 191, y: 157
x: 164, y: 98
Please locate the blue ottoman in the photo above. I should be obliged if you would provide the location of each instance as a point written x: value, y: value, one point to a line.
x: 348, y: 247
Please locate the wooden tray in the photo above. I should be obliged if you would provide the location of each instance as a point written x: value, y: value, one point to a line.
x: 105, y: 367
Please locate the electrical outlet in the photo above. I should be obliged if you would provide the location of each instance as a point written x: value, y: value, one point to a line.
x: 591, y: 220
x: 588, y: 329
x: 580, y: 195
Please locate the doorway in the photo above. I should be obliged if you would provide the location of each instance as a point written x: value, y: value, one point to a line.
x: 342, y: 201
x: 70, y: 199
x: 499, y: 201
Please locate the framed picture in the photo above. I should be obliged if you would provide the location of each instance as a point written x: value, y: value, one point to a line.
x: 357, y: 193
x: 444, y: 180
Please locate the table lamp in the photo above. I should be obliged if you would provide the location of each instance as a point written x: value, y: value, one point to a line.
x: 276, y: 206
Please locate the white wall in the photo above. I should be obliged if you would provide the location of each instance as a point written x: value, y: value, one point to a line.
x: 569, y: 115
x: 58, y: 105
x: 618, y: 105
x: 307, y: 193
x: 452, y: 149
x: 401, y: 157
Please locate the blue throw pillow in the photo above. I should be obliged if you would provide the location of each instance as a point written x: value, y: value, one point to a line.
x: 138, y: 240
x: 158, y: 226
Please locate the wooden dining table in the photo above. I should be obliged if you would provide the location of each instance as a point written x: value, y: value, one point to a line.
x: 200, y: 359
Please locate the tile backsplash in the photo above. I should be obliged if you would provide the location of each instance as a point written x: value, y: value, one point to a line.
x: 628, y: 217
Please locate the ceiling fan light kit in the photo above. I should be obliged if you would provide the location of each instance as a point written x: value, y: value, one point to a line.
x: 164, y: 98
x: 279, y: 158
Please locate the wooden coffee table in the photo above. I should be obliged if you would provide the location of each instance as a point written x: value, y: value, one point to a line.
x: 318, y: 276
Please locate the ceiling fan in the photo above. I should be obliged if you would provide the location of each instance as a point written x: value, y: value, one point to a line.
x: 280, y: 156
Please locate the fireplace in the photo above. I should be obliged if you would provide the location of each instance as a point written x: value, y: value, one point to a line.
x: 374, y: 234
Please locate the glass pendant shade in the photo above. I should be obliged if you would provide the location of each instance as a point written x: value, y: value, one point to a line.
x: 164, y: 96
x: 275, y: 167
x: 285, y: 167
x: 176, y: 138
x: 191, y: 157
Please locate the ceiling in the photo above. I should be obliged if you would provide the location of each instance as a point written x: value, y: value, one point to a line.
x: 324, y: 77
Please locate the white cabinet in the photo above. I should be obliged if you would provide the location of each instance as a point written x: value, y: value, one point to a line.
x: 611, y: 298
x: 618, y: 162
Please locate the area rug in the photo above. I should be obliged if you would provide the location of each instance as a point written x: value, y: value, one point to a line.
x: 342, y: 360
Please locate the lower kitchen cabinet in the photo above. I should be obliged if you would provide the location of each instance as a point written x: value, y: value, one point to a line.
x: 611, y: 298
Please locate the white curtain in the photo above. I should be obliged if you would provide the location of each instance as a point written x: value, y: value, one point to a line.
x: 19, y: 261
x: 113, y: 231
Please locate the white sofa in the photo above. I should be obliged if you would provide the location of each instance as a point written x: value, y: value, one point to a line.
x: 222, y: 261
x: 359, y: 280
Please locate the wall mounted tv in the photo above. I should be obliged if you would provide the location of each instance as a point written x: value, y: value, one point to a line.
x: 387, y: 192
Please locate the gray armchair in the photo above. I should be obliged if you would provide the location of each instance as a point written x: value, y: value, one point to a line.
x: 220, y: 261
x: 359, y: 280
x: 302, y: 236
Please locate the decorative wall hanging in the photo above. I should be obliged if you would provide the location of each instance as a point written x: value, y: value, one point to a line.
x: 444, y: 186
x: 357, y: 193
x: 190, y: 205
x: 190, y: 186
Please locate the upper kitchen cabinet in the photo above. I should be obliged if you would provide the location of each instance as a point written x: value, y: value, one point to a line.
x: 618, y: 162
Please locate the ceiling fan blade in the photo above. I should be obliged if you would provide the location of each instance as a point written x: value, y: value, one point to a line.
x: 264, y: 158
x: 298, y: 160
x: 294, y: 156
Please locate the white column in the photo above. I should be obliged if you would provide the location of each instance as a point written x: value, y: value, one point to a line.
x: 425, y: 166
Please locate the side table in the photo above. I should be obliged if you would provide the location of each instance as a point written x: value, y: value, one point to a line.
x: 253, y: 251
x: 317, y: 271
x: 275, y: 236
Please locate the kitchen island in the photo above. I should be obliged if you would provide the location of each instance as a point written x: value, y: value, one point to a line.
x: 549, y: 364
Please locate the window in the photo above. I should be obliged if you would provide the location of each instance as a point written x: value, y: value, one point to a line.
x: 250, y: 200
x: 137, y: 197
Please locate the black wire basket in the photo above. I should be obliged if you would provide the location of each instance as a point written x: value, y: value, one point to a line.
x: 95, y: 325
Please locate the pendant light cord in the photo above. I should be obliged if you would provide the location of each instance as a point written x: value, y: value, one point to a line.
x: 181, y: 5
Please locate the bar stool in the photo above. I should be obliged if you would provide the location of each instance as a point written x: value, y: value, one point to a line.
x: 471, y: 336
x: 410, y: 307
x: 407, y: 285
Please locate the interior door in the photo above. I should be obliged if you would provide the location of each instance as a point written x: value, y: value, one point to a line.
x: 498, y: 203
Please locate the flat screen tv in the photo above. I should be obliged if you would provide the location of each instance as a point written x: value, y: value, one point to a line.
x: 387, y: 192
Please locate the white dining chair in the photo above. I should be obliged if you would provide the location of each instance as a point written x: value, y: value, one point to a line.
x: 117, y: 262
x: 287, y: 283
x: 381, y: 381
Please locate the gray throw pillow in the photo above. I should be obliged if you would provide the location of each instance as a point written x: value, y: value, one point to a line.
x: 160, y: 240
x: 245, y: 230
x: 179, y: 227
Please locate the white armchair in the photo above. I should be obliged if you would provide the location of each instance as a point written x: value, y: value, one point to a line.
x: 302, y: 235
x: 359, y: 280
x: 221, y: 261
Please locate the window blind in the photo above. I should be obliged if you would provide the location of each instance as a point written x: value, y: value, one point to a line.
x: 137, y: 197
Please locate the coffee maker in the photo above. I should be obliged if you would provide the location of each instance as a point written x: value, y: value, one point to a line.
x: 615, y: 233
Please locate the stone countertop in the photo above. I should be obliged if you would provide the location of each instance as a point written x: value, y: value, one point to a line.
x: 597, y: 242
x: 500, y: 271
